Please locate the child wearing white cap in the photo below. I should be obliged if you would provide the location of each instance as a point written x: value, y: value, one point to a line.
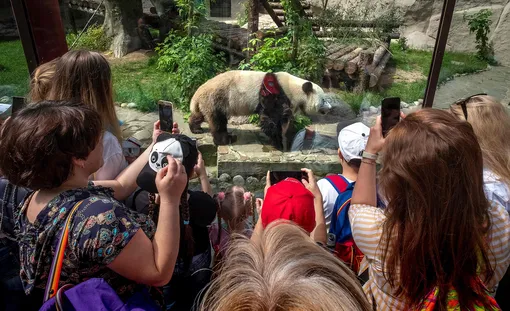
x: 352, y: 140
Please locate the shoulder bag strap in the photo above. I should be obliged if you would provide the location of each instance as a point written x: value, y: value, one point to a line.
x: 56, y: 264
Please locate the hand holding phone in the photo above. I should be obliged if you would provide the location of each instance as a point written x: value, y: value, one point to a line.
x: 390, y: 113
x: 166, y: 116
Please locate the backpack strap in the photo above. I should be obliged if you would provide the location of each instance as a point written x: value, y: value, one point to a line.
x: 58, y: 259
x: 338, y: 182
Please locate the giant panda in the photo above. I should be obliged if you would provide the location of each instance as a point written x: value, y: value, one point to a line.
x: 237, y: 93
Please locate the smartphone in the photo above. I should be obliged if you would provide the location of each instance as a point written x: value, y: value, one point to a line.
x: 166, y: 117
x: 17, y: 103
x: 390, y: 113
x: 277, y: 176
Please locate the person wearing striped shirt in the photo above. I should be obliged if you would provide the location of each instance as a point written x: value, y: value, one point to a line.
x: 439, y: 240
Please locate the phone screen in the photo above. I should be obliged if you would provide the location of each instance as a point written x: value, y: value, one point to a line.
x: 166, y: 116
x: 17, y: 103
x: 390, y: 113
x: 277, y: 176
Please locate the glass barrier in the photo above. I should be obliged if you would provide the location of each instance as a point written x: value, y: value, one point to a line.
x: 14, y: 77
x: 477, y: 57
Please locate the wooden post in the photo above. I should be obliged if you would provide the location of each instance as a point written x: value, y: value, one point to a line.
x: 253, y: 16
x: 365, y: 58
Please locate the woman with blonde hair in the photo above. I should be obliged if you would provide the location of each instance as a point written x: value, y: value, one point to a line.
x: 439, y: 244
x: 41, y: 81
x: 491, y: 122
x: 283, y: 270
x: 85, y: 76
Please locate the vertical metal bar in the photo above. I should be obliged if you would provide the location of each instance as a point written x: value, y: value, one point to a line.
x: 41, y: 30
x: 25, y: 33
x: 439, y: 48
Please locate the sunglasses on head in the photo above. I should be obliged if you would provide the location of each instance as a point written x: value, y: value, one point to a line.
x: 463, y: 102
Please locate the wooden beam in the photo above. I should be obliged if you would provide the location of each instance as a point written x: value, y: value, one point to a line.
x: 271, y: 13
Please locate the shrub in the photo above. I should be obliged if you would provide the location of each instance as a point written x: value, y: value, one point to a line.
x: 94, y: 39
x: 479, y: 23
x: 193, y: 61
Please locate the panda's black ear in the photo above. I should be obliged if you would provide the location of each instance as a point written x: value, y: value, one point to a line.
x: 307, y: 87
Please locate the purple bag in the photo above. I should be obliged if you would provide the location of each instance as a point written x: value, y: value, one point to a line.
x: 91, y: 295
x: 97, y: 295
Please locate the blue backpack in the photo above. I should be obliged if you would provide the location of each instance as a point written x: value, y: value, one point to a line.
x: 345, y: 247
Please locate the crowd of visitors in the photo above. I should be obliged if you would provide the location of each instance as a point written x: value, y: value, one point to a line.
x: 417, y: 220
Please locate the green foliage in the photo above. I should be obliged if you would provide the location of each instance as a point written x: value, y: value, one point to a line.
x: 254, y: 119
x: 301, y: 121
x: 14, y: 76
x: 479, y: 23
x: 275, y: 54
x: 242, y: 16
x: 140, y: 82
x: 402, y: 43
x: 192, y: 60
x: 190, y: 12
x: 94, y: 39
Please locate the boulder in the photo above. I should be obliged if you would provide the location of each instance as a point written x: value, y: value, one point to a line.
x: 238, y: 180
x: 459, y: 37
x: 501, y: 37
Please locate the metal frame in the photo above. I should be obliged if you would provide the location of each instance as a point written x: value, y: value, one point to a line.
x: 439, y: 48
x: 40, y: 29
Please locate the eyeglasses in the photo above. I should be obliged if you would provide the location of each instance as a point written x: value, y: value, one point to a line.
x: 463, y: 103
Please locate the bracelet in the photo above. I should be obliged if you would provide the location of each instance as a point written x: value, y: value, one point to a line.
x: 368, y: 155
x: 371, y: 162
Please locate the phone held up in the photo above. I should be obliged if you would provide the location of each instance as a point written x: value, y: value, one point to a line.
x: 277, y: 176
x: 166, y: 117
x: 390, y: 113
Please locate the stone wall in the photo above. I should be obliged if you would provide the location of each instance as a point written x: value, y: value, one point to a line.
x: 421, y: 21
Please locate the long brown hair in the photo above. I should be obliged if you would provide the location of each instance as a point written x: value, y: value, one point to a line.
x: 491, y: 123
x: 437, y: 212
x: 86, y: 77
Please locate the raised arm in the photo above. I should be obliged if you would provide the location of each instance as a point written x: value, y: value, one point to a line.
x: 202, y: 175
x: 319, y: 233
x: 152, y: 262
x: 365, y: 189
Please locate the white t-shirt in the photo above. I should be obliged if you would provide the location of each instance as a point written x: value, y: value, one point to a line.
x: 496, y: 190
x: 113, y: 157
x: 329, y: 196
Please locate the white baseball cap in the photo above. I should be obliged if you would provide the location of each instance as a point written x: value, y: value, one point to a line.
x: 352, y: 140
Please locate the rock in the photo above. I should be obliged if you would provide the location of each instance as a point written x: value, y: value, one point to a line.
x: 374, y: 110
x: 4, y: 99
x: 252, y: 181
x: 213, y: 181
x: 420, y: 101
x: 404, y: 105
x: 501, y: 39
x: 238, y: 180
x: 123, y: 105
x: 224, y: 177
x: 416, y: 103
x: 131, y: 105
x: 237, y: 120
x: 459, y: 37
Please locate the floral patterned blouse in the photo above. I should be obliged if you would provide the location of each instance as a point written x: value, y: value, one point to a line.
x: 100, y: 229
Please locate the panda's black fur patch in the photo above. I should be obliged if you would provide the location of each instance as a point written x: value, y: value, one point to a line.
x: 276, y: 117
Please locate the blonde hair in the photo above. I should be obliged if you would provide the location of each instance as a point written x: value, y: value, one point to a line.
x: 86, y: 76
x: 41, y: 81
x: 491, y: 123
x: 284, y: 270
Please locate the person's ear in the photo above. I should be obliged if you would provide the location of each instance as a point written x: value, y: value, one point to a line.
x: 79, y: 162
x: 340, y: 155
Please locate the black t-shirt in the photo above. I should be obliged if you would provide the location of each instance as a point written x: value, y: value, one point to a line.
x: 202, y: 209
